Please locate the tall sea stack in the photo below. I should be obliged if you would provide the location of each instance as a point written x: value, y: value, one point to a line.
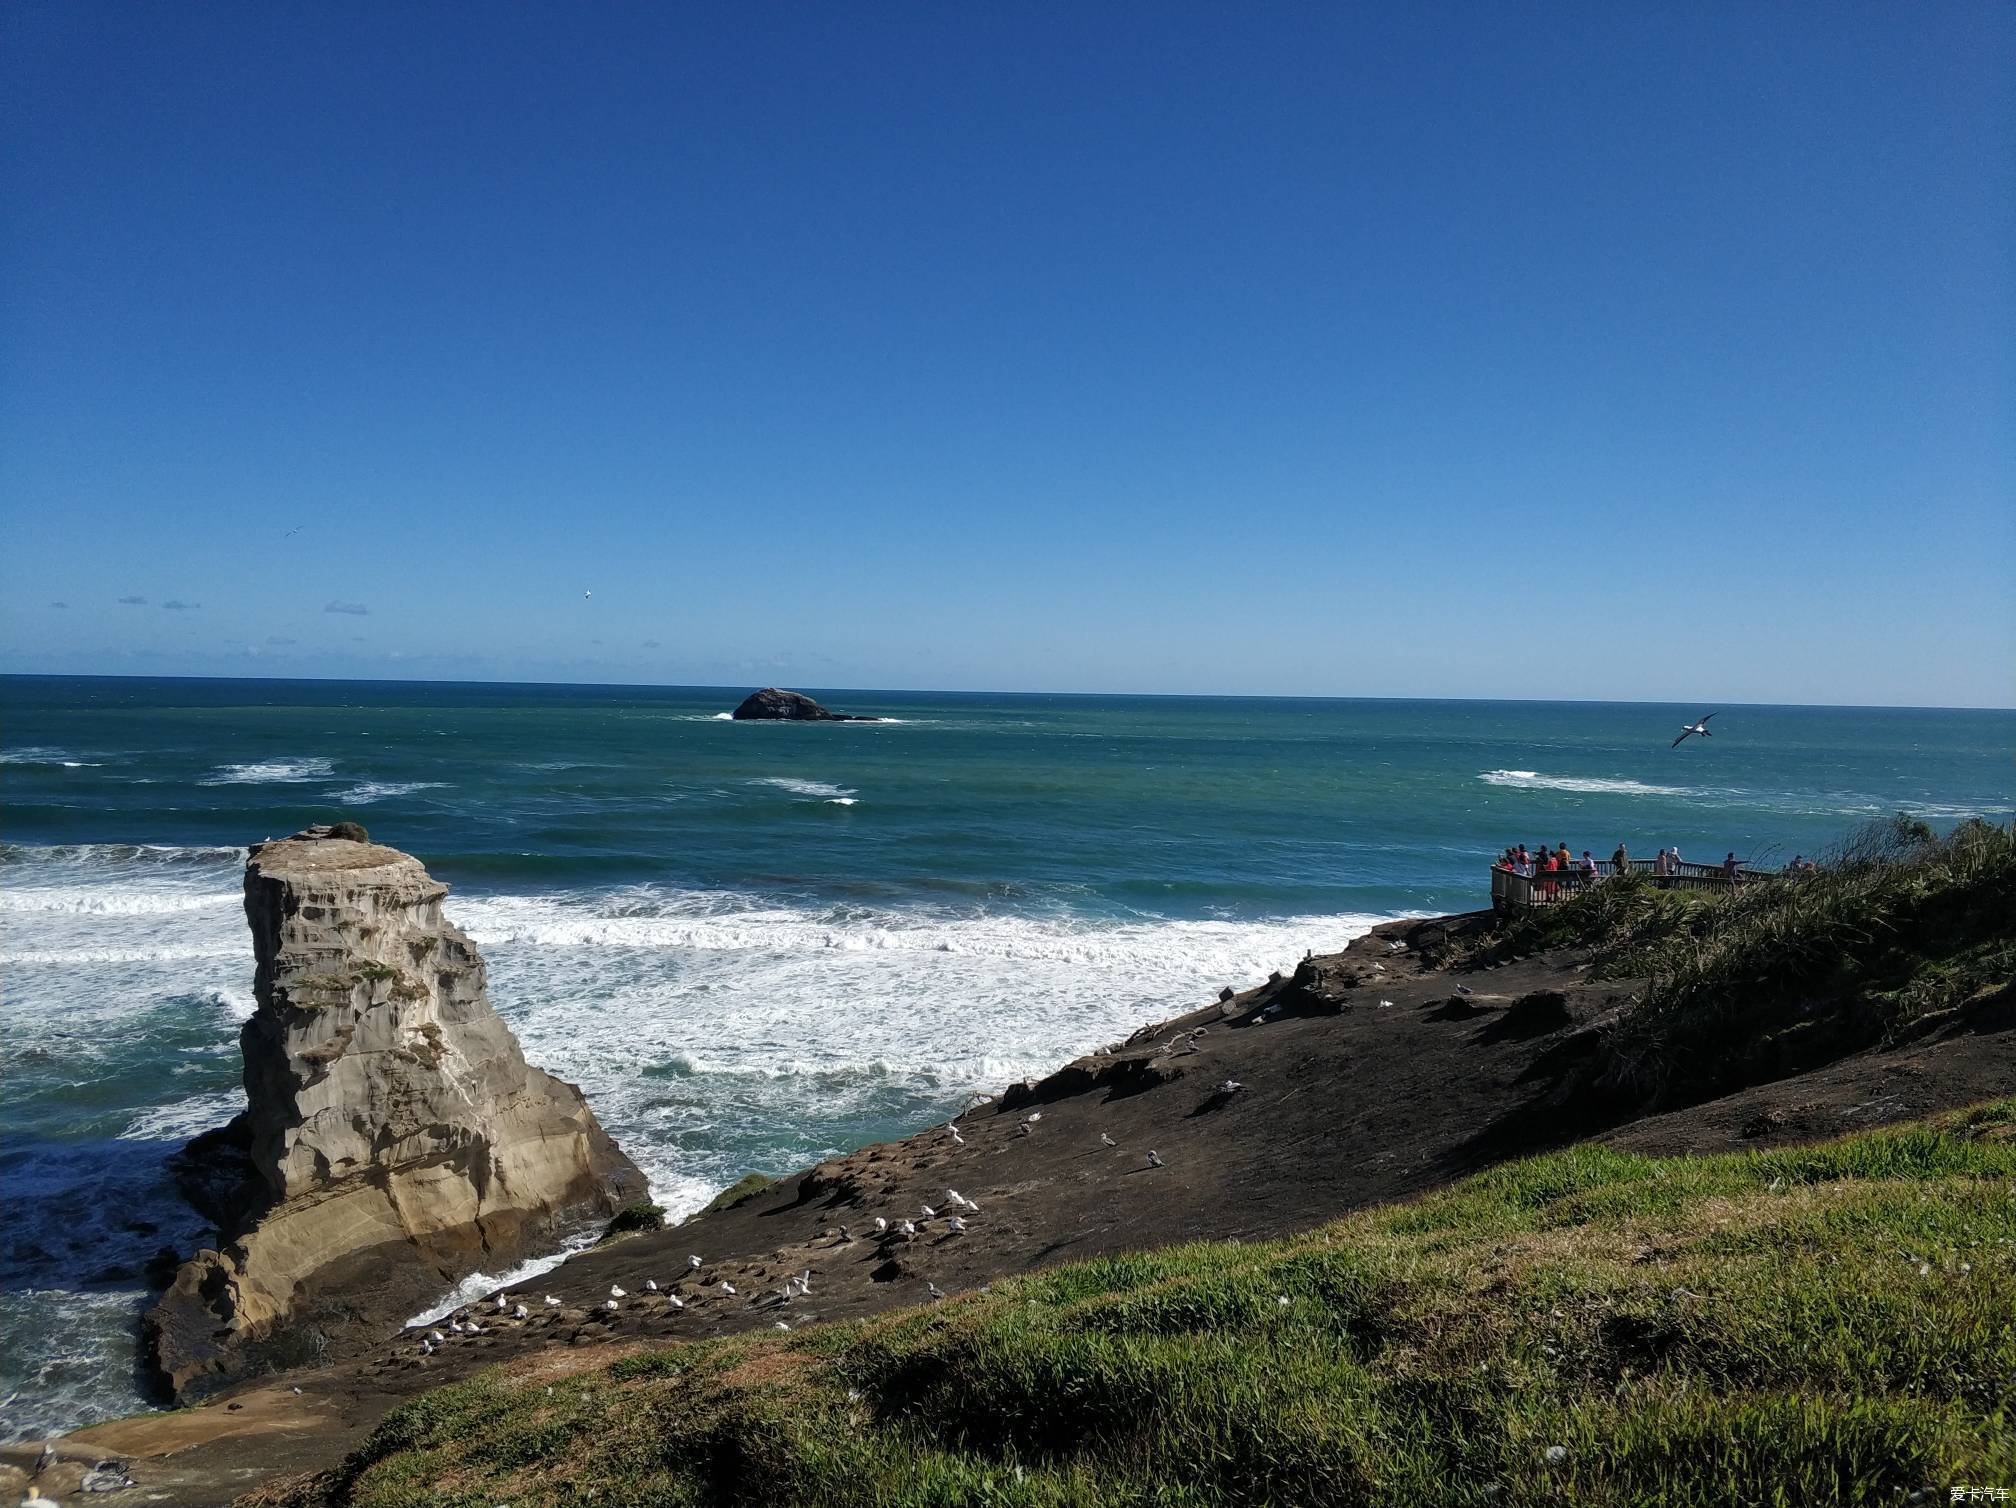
x: 396, y: 1139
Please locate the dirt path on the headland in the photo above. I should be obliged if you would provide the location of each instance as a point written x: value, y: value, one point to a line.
x: 1374, y: 1080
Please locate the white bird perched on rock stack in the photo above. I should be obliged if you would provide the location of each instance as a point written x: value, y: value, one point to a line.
x: 1155, y: 1159
x: 954, y: 1224
x: 520, y: 1312
x: 693, y: 1263
x: 957, y: 1139
x: 616, y: 1291
x: 551, y: 1302
x: 455, y: 1327
x: 881, y: 1225
x: 675, y: 1301
x: 503, y: 1303
x: 803, y: 1282
x: 929, y: 1213
x: 650, y: 1285
x: 610, y: 1306
x: 437, y: 1337
x: 727, y: 1287
x: 1230, y: 1086
x: 907, y: 1228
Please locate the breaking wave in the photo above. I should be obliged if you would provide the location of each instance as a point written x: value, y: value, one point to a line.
x: 837, y: 795
x: 1587, y: 785
x: 376, y: 790
x: 271, y: 772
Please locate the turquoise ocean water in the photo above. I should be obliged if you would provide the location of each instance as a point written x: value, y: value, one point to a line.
x: 754, y: 945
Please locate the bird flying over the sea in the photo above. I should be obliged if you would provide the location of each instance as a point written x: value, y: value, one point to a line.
x: 1688, y: 730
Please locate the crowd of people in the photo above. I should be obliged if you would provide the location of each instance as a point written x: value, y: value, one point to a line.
x: 1558, y: 868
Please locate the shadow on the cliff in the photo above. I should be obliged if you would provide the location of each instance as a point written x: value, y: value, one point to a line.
x: 89, y: 1212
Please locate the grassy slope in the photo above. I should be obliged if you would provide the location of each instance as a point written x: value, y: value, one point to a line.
x: 1821, y: 1325
x: 1772, y: 978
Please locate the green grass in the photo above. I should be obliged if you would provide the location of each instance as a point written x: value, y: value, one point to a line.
x: 1830, y: 1324
x: 1770, y: 978
x: 748, y: 1186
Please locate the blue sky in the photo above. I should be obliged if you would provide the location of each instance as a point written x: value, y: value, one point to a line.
x: 1660, y: 351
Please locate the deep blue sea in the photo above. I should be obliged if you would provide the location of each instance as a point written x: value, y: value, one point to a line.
x: 754, y: 945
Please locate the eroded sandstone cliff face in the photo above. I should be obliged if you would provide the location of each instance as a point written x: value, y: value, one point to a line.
x: 396, y: 1139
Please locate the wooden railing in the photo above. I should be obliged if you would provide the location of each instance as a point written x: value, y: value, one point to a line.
x: 1510, y: 890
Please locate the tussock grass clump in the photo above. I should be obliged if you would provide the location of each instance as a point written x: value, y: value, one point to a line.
x: 1771, y: 977
x: 1821, y: 1325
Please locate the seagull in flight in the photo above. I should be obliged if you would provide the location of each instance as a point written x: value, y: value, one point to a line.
x: 1688, y: 730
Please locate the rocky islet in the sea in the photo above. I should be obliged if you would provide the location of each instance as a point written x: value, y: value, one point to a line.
x: 395, y: 1138
x: 774, y: 705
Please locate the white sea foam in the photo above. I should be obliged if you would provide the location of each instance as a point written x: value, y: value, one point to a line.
x: 98, y: 855
x: 700, y: 1023
x: 107, y: 901
x: 1532, y: 780
x: 271, y: 772
x: 178, y: 1120
x: 812, y: 789
x: 42, y: 754
x: 375, y: 790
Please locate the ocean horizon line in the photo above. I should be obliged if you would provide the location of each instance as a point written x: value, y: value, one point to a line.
x: 741, y: 688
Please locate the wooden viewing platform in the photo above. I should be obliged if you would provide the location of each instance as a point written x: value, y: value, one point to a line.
x: 1510, y: 890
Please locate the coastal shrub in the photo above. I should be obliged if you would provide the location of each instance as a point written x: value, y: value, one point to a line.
x: 743, y: 1188
x: 1751, y: 982
x: 632, y: 1218
x: 1816, y: 1325
x: 1772, y: 977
